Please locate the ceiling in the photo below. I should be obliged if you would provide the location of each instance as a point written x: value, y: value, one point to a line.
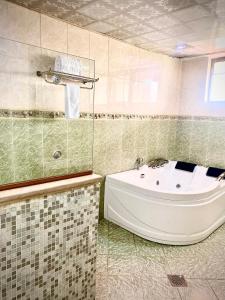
x: 174, y: 27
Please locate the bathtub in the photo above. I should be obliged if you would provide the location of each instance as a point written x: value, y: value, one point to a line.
x: 166, y: 205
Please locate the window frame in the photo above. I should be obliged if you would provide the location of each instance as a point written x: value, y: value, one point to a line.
x: 209, y: 81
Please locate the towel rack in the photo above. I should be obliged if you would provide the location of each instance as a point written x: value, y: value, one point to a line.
x: 57, y: 77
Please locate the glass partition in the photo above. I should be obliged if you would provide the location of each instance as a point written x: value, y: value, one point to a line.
x: 36, y: 140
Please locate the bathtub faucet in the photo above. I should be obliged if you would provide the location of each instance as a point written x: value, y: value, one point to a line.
x: 221, y: 176
x: 138, y: 163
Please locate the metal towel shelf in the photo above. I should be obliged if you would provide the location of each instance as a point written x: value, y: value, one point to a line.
x: 57, y: 77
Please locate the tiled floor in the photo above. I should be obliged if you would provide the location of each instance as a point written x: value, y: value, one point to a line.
x: 131, y: 268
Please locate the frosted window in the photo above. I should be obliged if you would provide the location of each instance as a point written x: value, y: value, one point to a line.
x: 217, y: 81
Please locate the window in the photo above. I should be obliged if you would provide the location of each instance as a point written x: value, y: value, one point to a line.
x: 216, y: 92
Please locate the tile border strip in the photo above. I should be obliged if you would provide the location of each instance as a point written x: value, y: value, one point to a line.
x: 6, y: 113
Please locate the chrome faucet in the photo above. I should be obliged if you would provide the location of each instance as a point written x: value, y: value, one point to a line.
x: 221, y: 177
x: 138, y: 163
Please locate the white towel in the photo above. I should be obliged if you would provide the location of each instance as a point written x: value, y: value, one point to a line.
x: 72, y: 103
x: 70, y: 65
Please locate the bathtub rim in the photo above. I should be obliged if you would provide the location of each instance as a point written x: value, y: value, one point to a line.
x: 215, y: 188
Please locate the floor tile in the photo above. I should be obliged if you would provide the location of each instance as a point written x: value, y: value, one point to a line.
x: 218, y: 287
x: 197, y: 290
x: 101, y: 264
x: 159, y: 289
x: 101, y: 287
x: 121, y: 247
x: 145, y: 247
x: 129, y: 267
x: 118, y: 233
x: 103, y: 227
x: 153, y: 266
x: 102, y: 245
x: 195, y: 267
x: 182, y: 251
x: 122, y: 287
x: 124, y: 265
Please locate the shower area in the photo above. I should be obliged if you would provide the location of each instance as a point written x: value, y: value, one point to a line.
x: 37, y: 140
x: 49, y: 196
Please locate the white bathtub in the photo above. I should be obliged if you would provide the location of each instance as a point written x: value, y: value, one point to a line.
x: 156, y: 209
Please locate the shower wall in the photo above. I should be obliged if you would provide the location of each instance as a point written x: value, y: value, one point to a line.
x: 32, y: 122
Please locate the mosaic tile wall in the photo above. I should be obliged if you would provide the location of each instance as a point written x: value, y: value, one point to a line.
x: 27, y: 146
x: 48, y: 246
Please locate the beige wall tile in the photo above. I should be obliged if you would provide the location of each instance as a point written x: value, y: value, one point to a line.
x: 99, y: 51
x: 3, y: 19
x: 19, y: 83
x: 78, y: 41
x: 53, y: 34
x: 101, y: 93
x: 19, y: 24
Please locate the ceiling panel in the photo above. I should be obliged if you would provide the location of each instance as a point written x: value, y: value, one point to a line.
x: 174, y: 27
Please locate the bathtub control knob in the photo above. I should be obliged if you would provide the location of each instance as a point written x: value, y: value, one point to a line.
x: 178, y: 186
x: 157, y: 182
x: 142, y: 176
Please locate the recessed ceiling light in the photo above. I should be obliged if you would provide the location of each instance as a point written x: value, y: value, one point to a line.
x: 180, y: 47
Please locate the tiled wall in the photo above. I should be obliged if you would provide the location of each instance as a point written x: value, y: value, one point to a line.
x: 27, y: 146
x: 131, y: 79
x: 48, y: 246
x: 118, y: 142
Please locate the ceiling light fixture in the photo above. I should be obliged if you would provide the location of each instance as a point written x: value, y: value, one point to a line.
x: 180, y: 47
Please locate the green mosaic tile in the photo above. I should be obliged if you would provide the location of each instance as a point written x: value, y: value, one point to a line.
x: 199, y: 141
x: 82, y: 163
x: 153, y: 139
x: 215, y: 155
x: 55, y: 168
x: 27, y: 149
x: 54, y: 139
x: 140, y: 139
x: 162, y: 144
x: 128, y: 136
x: 6, y: 155
x: 183, y: 139
x: 172, y: 140
x: 6, y: 147
x: 6, y: 130
x: 80, y: 138
x: 29, y: 171
x: 7, y: 175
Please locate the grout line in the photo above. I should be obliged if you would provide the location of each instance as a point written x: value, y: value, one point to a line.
x: 212, y: 289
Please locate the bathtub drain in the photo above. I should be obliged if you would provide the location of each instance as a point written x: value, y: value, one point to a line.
x: 157, y: 182
x: 178, y: 186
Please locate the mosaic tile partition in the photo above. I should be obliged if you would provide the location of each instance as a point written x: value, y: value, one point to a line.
x: 48, y: 246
